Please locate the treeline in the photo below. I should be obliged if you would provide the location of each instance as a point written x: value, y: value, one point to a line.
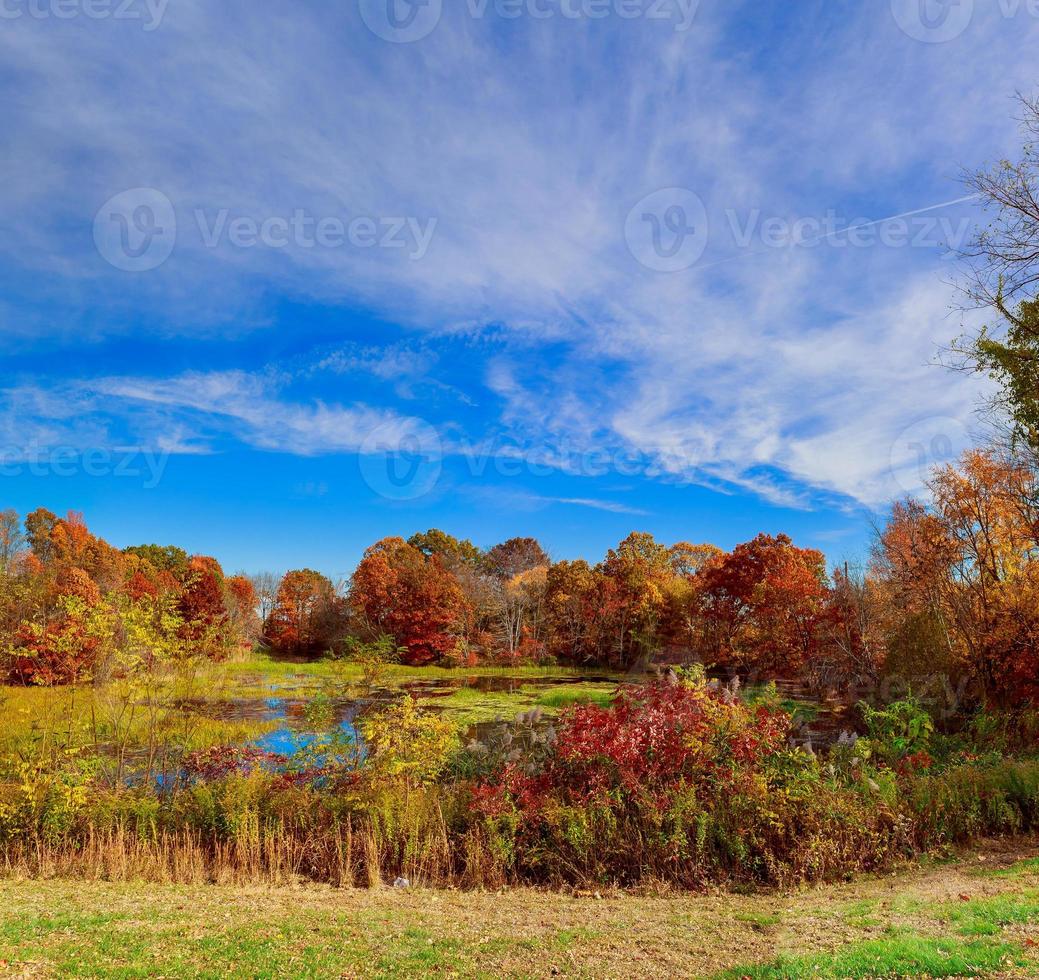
x: 72, y: 606
x: 951, y: 590
x: 442, y: 599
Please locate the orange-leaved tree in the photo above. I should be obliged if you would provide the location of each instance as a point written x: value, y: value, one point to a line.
x: 761, y: 605
x: 967, y: 562
x: 399, y: 591
x: 304, y: 618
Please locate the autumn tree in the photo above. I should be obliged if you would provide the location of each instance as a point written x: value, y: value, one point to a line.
x: 761, y: 605
x: 633, y: 594
x: 967, y: 563
x: 140, y: 586
x: 38, y: 526
x: 851, y: 648
x: 68, y: 629
x: 515, y: 573
x: 11, y: 540
x: 265, y: 585
x: 63, y: 650
x: 681, y: 626
x: 514, y: 557
x: 305, y: 616
x: 574, y: 621
x: 164, y: 558
x: 465, y: 563
x: 66, y: 543
x: 201, y: 605
x: 452, y: 552
x: 687, y: 560
x: 242, y: 606
x: 73, y: 606
x: 520, y: 613
x: 911, y: 560
x: 399, y: 591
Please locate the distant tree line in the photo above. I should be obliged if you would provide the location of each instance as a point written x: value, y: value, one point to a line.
x: 951, y: 587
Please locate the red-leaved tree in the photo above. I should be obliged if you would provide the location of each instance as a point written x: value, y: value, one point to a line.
x: 399, y: 591
x: 761, y: 606
x: 305, y: 610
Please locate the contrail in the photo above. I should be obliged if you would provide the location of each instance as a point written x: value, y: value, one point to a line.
x: 833, y: 234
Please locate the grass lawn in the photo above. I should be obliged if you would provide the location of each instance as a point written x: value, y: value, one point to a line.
x: 976, y: 916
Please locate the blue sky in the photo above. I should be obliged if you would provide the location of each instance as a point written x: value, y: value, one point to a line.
x: 273, y: 286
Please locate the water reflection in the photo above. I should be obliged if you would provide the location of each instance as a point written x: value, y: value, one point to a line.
x: 300, y: 727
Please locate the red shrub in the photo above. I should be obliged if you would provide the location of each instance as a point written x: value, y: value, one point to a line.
x: 651, y: 743
x: 222, y: 761
x: 59, y: 653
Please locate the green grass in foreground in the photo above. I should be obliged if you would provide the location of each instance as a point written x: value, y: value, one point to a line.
x: 899, y: 956
x: 84, y: 945
x: 904, y: 952
x: 989, y: 916
x: 1017, y: 870
x: 919, y: 923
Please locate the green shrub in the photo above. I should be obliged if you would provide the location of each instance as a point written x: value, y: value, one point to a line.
x: 899, y: 730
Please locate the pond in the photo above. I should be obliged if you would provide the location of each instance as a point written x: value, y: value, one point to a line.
x: 302, y: 714
x: 297, y: 712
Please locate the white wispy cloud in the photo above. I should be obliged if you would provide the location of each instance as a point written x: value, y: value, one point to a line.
x: 190, y: 412
x: 608, y: 505
x: 787, y: 372
x: 520, y: 499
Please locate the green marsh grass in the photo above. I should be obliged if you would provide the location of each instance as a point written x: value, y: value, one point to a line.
x: 908, y: 955
x: 470, y: 706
